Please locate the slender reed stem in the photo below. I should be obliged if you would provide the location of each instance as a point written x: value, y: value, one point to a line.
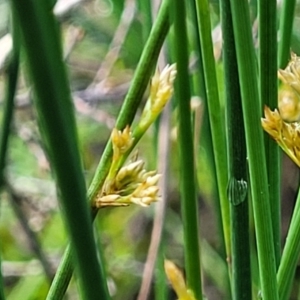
x: 161, y: 288
x: 237, y: 188
x: 285, y: 32
x: 290, y: 255
x: 41, y: 39
x: 129, y: 108
x: 255, y: 148
x: 215, y: 116
x: 199, y: 89
x: 189, y: 205
x: 268, y: 95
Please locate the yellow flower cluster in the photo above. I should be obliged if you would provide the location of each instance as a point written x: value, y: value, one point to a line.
x: 289, y: 104
x: 162, y: 87
x: 289, y: 101
x: 286, y: 134
x: 177, y: 281
x: 121, y: 140
x: 132, y: 184
x: 161, y: 90
x: 291, y: 74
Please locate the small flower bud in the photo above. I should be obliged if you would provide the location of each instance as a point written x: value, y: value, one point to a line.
x: 121, y: 140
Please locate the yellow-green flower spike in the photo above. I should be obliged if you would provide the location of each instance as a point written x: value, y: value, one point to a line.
x: 161, y: 90
x: 287, y: 135
x: 177, y: 281
x: 131, y: 184
x: 121, y: 141
x: 291, y: 74
x: 289, y: 104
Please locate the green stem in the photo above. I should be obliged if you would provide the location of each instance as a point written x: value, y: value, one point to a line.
x: 215, y: 116
x: 241, y: 269
x: 62, y: 277
x: 41, y: 39
x: 285, y: 31
x: 186, y: 151
x: 130, y: 106
x: 255, y: 148
x: 237, y: 188
x: 268, y: 96
x: 161, y: 288
x: 290, y: 255
x: 206, y: 138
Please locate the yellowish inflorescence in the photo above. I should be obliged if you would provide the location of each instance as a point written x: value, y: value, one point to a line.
x: 283, y: 125
x: 177, y: 281
x: 121, y: 141
x: 161, y: 90
x: 131, y: 183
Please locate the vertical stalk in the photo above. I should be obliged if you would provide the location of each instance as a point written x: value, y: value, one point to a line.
x: 255, y: 148
x: 285, y: 31
x: 268, y: 95
x: 199, y: 89
x: 237, y: 188
x: 41, y: 40
x: 186, y: 152
x: 290, y: 255
x: 215, y: 117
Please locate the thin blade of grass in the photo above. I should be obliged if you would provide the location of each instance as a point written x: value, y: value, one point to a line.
x: 285, y: 32
x: 268, y: 95
x: 255, y: 147
x: 237, y: 187
x: 215, y: 116
x: 189, y: 206
x: 199, y: 88
x: 41, y: 39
